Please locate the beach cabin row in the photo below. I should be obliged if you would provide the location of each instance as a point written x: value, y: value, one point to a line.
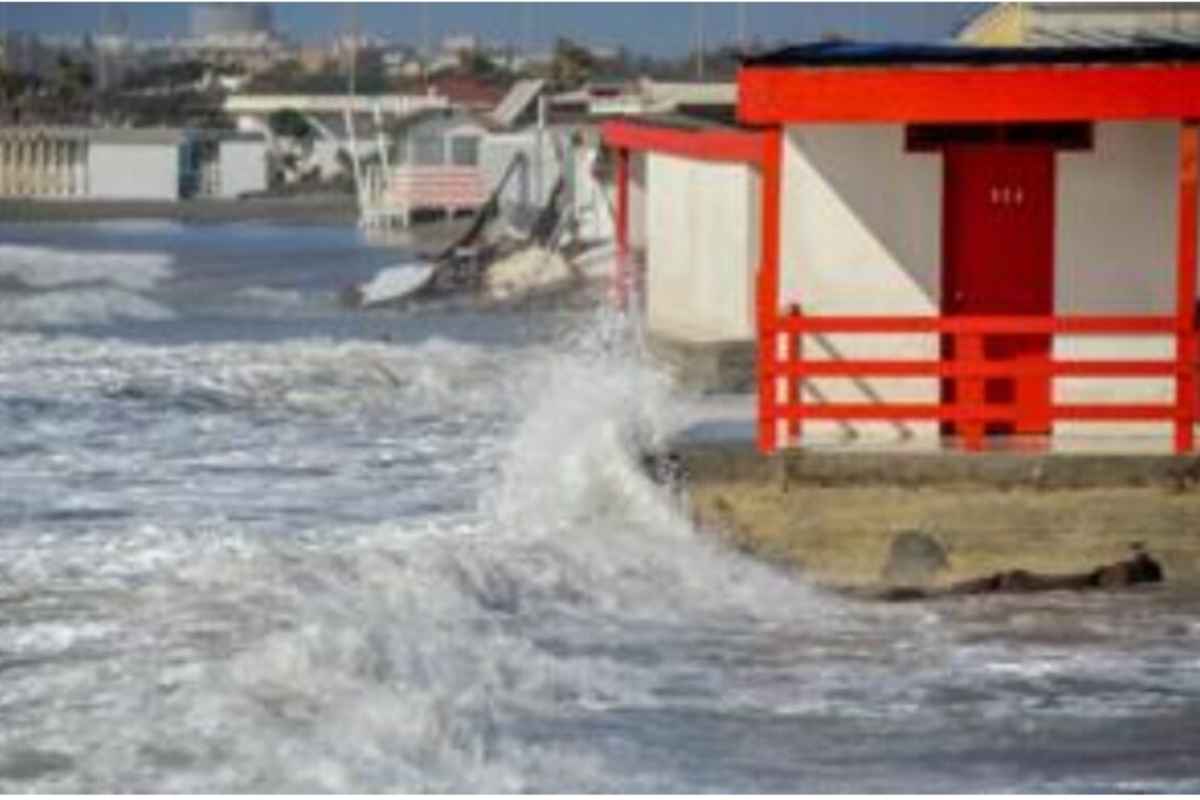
x: 166, y: 164
x: 934, y: 246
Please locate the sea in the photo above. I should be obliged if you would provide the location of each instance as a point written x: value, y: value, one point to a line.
x: 254, y: 541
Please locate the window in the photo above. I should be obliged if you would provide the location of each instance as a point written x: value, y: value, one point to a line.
x: 464, y: 151
x: 428, y: 151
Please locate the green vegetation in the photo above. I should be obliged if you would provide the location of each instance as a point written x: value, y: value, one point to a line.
x: 290, y: 122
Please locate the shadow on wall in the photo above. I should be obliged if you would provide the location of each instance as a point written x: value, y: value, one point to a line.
x: 872, y: 207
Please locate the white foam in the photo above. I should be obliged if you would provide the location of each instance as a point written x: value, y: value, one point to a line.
x: 47, y: 267
x: 267, y: 296
x: 90, y: 306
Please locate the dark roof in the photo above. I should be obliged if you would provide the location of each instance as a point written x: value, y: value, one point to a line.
x: 862, y: 54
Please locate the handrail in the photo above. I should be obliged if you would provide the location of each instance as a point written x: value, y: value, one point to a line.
x: 1081, y: 324
x: 986, y: 369
x: 969, y: 368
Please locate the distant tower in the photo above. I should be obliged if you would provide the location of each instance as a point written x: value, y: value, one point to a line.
x: 225, y: 19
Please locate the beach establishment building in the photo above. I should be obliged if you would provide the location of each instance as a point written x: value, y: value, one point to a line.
x: 1083, y: 24
x: 934, y: 246
x: 129, y: 164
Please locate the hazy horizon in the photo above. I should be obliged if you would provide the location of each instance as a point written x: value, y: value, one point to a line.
x: 661, y: 29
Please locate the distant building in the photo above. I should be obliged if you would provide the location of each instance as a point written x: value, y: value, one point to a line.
x: 220, y: 20
x: 460, y: 43
x: 234, y: 35
x: 25, y: 53
x: 313, y: 58
x: 467, y: 92
x: 129, y: 164
x: 1082, y: 24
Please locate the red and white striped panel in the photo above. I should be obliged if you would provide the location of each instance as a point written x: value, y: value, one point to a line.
x: 437, y: 187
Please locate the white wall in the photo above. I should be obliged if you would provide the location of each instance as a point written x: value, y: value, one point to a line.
x: 133, y: 171
x: 702, y: 248
x: 638, y: 232
x: 1115, y: 232
x: 243, y: 167
x: 861, y: 234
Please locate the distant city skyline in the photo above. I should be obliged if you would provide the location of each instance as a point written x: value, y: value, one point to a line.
x: 660, y: 29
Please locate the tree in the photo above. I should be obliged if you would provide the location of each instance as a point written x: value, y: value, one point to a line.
x: 290, y: 122
x: 477, y: 64
x: 72, y: 79
x: 572, y: 64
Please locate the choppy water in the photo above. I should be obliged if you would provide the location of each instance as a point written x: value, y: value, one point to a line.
x: 251, y: 542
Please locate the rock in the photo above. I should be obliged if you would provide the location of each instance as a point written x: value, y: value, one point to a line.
x: 915, y: 558
x: 1139, y: 569
x: 665, y: 469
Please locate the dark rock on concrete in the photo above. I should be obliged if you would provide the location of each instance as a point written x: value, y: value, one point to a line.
x: 915, y: 557
x: 1141, y: 568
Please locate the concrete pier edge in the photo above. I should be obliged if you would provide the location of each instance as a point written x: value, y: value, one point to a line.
x: 836, y: 516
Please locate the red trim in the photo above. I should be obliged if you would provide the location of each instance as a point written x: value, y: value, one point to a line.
x: 1185, y: 348
x: 970, y: 368
x: 976, y: 414
x: 767, y: 288
x: 1072, y: 324
x: 979, y: 369
x: 621, y: 279
x: 771, y: 95
x: 710, y: 145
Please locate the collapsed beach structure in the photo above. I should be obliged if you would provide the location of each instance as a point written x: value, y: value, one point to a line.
x: 932, y: 246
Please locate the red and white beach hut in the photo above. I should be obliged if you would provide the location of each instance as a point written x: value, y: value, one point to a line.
x: 951, y: 246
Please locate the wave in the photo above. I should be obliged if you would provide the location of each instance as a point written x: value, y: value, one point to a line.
x: 307, y: 376
x: 439, y: 653
x: 91, y: 306
x: 271, y: 297
x: 496, y: 649
x: 49, y: 268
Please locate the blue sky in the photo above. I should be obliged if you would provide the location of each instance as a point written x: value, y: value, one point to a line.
x: 658, y: 28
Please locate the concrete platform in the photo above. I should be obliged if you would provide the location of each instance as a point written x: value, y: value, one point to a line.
x: 833, y: 509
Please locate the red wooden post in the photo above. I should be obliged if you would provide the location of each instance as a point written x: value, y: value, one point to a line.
x: 767, y: 298
x: 1185, y: 348
x: 969, y: 352
x: 791, y: 395
x: 621, y: 279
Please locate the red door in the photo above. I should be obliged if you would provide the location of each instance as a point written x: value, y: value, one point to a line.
x: 998, y: 260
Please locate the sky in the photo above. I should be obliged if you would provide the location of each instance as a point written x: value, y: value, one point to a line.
x: 663, y: 29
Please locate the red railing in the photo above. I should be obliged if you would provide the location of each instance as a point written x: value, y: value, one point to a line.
x: 968, y: 368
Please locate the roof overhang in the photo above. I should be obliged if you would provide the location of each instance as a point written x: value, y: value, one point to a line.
x: 771, y: 95
x: 707, y: 144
